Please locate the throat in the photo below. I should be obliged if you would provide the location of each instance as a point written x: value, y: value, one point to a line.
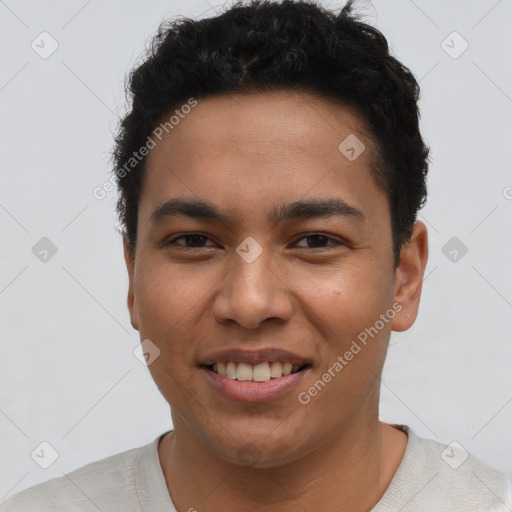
x: 334, y: 473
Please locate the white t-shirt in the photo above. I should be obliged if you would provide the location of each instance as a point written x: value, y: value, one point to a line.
x: 431, y: 477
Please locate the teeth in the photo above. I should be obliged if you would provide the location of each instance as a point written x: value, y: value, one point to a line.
x: 221, y: 369
x: 244, y: 371
x: 230, y: 370
x: 287, y: 368
x: 276, y: 369
x: 259, y: 373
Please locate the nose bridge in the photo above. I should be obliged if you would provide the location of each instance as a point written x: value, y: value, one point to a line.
x: 251, y: 291
x: 252, y: 270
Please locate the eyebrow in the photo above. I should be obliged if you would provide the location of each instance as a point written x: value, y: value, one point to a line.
x: 303, y: 209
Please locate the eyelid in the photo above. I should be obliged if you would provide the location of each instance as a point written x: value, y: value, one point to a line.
x: 337, y: 241
x: 172, y: 240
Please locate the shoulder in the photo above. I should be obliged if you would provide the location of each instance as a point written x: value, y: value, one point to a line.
x: 461, y: 470
x: 436, y: 476
x: 100, y: 485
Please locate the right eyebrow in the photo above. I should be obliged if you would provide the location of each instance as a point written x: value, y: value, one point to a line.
x: 194, y: 208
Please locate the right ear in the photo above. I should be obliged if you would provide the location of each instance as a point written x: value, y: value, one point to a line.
x: 130, y: 266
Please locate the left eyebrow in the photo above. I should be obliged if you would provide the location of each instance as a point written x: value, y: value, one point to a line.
x: 303, y: 209
x: 312, y: 208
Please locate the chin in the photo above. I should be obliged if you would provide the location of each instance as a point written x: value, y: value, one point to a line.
x: 264, y: 448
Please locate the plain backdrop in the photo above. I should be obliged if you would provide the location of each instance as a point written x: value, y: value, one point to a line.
x: 68, y: 374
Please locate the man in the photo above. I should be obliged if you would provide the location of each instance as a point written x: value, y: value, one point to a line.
x: 270, y: 172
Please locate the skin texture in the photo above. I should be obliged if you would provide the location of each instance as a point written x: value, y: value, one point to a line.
x: 248, y: 154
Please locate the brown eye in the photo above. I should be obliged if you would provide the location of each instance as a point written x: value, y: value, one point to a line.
x: 192, y: 241
x: 318, y: 240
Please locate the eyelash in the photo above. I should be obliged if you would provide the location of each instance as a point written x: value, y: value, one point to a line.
x: 330, y: 238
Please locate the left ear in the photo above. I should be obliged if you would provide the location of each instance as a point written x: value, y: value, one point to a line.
x: 409, y: 277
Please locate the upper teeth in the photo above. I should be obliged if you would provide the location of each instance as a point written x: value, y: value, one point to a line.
x: 258, y: 372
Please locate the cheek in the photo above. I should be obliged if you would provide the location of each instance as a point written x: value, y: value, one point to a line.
x: 346, y: 301
x: 346, y: 308
x: 169, y: 303
x: 165, y: 293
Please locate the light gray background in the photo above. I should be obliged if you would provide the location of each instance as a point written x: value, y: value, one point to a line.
x: 68, y: 373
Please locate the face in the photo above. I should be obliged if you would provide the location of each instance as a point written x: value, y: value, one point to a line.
x: 260, y: 242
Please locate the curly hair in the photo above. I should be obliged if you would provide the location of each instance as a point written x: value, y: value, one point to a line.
x: 267, y: 45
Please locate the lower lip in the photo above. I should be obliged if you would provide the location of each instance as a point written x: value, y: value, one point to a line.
x: 249, y: 391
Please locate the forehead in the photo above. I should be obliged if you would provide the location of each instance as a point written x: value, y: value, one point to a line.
x: 264, y: 148
x: 299, y: 121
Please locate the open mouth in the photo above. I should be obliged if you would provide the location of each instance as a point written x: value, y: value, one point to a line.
x: 262, y: 372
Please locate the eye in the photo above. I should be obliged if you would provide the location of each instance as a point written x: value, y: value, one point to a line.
x: 195, y: 241
x: 318, y: 240
x: 198, y: 241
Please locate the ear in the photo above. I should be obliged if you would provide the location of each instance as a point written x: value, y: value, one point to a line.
x: 409, y: 277
x: 130, y: 266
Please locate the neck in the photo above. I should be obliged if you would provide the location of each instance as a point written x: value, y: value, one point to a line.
x: 352, y: 467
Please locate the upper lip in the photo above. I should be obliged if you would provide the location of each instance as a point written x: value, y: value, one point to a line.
x: 253, y: 357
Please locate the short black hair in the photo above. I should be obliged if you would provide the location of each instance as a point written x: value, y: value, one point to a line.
x: 266, y: 45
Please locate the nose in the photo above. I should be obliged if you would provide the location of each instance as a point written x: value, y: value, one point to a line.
x: 253, y: 292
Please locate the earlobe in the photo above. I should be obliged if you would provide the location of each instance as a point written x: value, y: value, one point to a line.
x: 409, y: 277
x: 130, y: 266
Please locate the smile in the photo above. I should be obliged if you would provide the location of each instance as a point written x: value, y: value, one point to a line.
x: 242, y: 385
x: 261, y: 372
